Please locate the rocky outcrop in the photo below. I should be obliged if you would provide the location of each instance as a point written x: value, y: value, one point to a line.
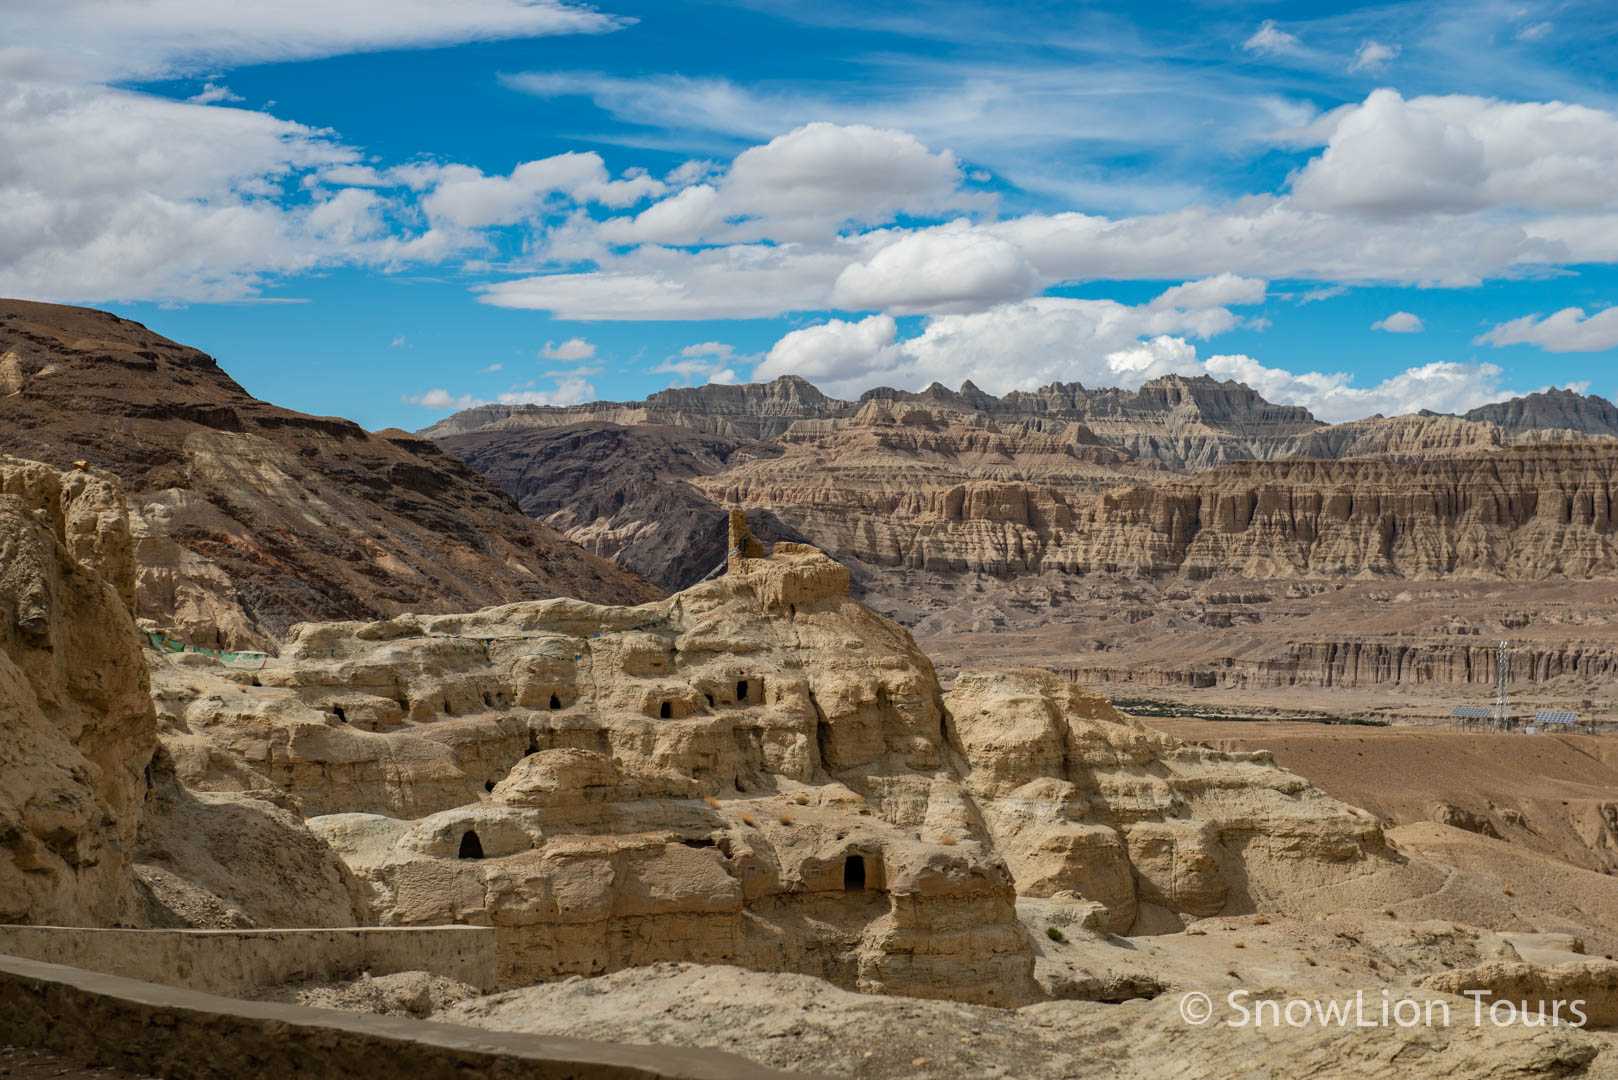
x: 750, y: 772
x: 225, y: 860
x: 756, y: 771
x: 1085, y: 805
x: 93, y: 828
x: 1581, y: 992
x: 76, y: 725
x: 247, y: 517
x: 797, y: 1023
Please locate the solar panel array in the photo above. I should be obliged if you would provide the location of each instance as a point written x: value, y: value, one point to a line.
x: 1471, y: 712
x: 1556, y: 716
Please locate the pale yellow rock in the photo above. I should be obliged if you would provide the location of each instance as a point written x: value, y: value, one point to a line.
x: 1498, y: 986
x: 756, y: 771
x: 93, y: 828
x: 76, y: 726
x: 1081, y: 801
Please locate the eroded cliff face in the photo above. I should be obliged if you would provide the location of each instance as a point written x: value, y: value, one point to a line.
x: 1184, y: 475
x: 1523, y: 513
x: 1563, y: 410
x: 1083, y: 804
x: 756, y: 771
x: 94, y: 829
x: 76, y: 725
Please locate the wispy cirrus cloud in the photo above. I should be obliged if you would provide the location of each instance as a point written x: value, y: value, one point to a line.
x: 104, y: 40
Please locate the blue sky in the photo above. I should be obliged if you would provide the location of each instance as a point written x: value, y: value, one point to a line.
x: 387, y: 209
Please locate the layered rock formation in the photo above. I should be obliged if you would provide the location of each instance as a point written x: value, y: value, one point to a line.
x: 884, y: 497
x: 247, y: 517
x: 756, y: 771
x: 1071, y: 480
x: 1008, y: 524
x: 1176, y: 422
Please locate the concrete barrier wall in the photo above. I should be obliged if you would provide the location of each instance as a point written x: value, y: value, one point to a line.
x: 238, y: 962
x: 179, y: 1034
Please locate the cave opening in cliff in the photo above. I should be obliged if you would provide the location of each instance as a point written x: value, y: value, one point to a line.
x: 337, y: 711
x: 665, y: 711
x: 854, y: 873
x: 471, y: 846
x: 556, y: 703
x: 741, y: 690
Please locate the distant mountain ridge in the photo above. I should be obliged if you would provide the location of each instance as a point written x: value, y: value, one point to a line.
x: 1565, y: 410
x: 940, y: 478
x: 1189, y: 399
x: 751, y: 410
x: 1176, y: 421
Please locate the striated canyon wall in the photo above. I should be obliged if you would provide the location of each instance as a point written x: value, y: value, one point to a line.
x: 1358, y: 663
x: 1523, y: 513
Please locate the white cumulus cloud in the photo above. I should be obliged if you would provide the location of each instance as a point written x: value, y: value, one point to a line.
x: 574, y: 348
x: 1441, y: 387
x: 1400, y: 322
x: 1568, y: 330
x: 212, y: 93
x: 442, y: 400
x: 1012, y: 346
x: 568, y: 391
x: 804, y: 186
x: 954, y: 268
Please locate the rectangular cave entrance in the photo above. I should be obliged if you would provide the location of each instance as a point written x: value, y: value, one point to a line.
x: 854, y: 873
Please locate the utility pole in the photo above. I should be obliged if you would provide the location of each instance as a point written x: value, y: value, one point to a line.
x: 1502, y: 671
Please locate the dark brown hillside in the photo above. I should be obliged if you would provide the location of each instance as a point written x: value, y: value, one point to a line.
x: 623, y: 491
x: 250, y: 517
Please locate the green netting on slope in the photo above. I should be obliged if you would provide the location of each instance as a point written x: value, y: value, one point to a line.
x: 244, y: 659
